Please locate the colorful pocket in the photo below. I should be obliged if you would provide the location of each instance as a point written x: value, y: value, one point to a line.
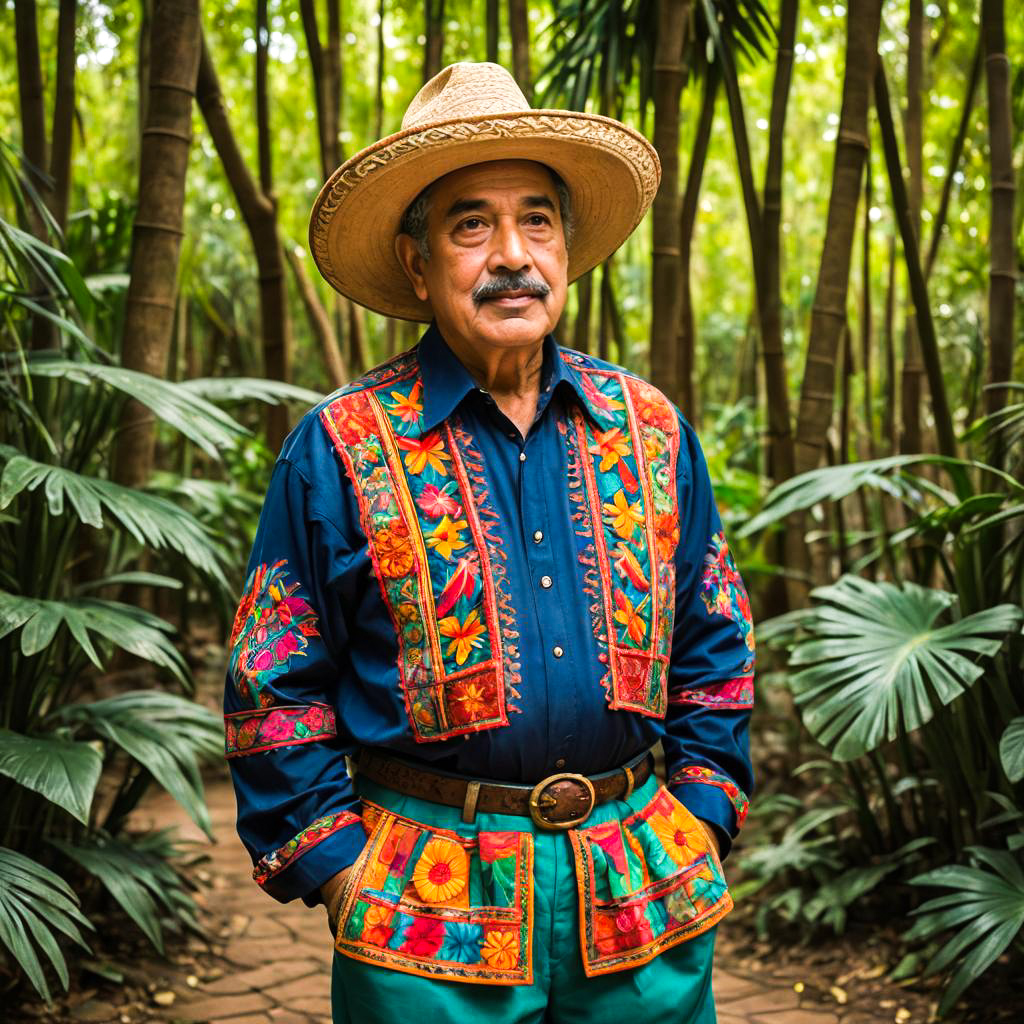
x: 646, y: 883
x: 428, y: 901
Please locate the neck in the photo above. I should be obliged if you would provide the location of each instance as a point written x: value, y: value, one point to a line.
x: 512, y: 373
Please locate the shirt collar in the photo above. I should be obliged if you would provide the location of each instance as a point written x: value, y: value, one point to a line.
x: 446, y: 382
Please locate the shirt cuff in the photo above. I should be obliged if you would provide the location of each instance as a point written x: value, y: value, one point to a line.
x: 322, y: 849
x: 715, y: 799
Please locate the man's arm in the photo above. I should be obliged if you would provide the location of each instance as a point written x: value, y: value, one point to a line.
x: 297, y: 813
x: 711, y: 671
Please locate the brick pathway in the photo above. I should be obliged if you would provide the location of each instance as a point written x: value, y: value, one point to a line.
x: 270, y: 962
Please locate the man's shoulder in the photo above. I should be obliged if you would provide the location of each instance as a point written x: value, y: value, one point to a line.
x: 310, y: 431
x: 395, y: 368
x: 593, y: 367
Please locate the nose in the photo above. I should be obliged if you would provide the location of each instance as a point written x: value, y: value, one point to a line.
x: 509, y: 251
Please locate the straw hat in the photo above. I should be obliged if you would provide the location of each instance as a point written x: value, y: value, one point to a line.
x: 470, y: 114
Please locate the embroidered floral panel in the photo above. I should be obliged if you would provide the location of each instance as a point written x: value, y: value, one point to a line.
x: 436, y: 553
x: 430, y: 902
x: 646, y: 883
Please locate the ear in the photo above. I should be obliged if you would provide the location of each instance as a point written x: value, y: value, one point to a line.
x: 408, y: 254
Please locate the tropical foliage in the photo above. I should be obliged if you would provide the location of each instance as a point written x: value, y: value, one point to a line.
x: 74, y: 764
x: 827, y: 285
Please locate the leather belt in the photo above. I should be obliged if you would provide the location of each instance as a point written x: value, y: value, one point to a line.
x: 560, y: 801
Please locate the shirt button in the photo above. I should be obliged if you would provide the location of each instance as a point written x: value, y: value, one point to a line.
x: 560, y: 763
x: 538, y: 536
x: 545, y: 582
x: 557, y: 651
x: 522, y: 456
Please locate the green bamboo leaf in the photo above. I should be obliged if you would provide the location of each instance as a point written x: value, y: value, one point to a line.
x: 877, y: 661
x: 149, y: 518
x: 128, y: 880
x: 202, y: 422
x: 141, y: 579
x: 15, y: 938
x: 63, y: 771
x: 1011, y: 750
x: 15, y: 611
x: 166, y: 734
x: 125, y: 626
x: 38, y: 632
x: 248, y: 389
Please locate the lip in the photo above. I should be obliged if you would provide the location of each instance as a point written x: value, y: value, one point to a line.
x: 513, y: 299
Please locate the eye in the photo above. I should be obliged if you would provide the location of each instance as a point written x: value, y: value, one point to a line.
x: 471, y: 224
x: 537, y: 220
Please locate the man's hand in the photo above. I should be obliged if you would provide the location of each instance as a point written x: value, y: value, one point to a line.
x: 712, y: 837
x: 330, y: 893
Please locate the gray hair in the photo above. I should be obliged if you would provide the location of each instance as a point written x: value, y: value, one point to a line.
x: 414, y: 220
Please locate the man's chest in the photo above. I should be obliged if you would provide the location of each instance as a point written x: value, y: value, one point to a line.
x: 470, y: 530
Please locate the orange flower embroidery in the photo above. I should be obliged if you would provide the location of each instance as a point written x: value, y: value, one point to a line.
x: 625, y: 516
x: 407, y: 407
x: 473, y: 699
x: 652, y: 407
x: 683, y: 840
x: 611, y: 446
x: 666, y: 534
x: 394, y: 550
x: 447, y: 536
x: 630, y: 617
x: 464, y: 636
x: 501, y: 949
x: 424, y: 451
x: 441, y: 871
x: 377, y: 928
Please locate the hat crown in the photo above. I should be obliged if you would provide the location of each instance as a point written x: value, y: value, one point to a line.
x: 465, y: 90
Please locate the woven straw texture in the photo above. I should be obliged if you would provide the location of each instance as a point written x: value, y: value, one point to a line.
x: 470, y: 114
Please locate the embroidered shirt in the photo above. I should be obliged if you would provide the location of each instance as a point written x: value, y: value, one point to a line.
x: 426, y: 580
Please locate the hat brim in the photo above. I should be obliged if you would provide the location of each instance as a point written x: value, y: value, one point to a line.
x: 611, y: 170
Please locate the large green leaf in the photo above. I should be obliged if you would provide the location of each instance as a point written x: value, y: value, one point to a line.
x: 35, y: 902
x: 64, y: 771
x: 125, y: 626
x: 877, y: 661
x: 150, y: 519
x: 248, y: 389
x: 984, y: 910
x: 1011, y: 750
x: 165, y: 733
x: 200, y: 421
x: 136, y: 882
x: 832, y: 483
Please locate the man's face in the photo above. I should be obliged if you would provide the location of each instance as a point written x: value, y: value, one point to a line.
x: 496, y: 276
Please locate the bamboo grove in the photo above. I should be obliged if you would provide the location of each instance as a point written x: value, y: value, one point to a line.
x: 827, y: 285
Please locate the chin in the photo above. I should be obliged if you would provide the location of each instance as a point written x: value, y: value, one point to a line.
x: 513, y: 331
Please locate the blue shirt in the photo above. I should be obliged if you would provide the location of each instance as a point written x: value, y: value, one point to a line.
x: 426, y: 580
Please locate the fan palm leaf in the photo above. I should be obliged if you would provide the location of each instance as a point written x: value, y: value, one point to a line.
x: 876, y: 659
x: 35, y: 902
x: 149, y: 518
x: 984, y: 909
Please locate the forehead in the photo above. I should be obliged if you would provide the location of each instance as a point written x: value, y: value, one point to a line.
x: 494, y: 181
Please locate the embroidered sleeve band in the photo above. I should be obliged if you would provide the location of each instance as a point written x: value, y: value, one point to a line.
x: 274, y: 863
x: 699, y: 773
x: 253, y: 732
x: 729, y: 695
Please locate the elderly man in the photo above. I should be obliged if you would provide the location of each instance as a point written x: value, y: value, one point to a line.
x: 491, y: 575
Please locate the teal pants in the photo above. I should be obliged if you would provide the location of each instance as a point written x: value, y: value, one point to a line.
x: 673, y: 988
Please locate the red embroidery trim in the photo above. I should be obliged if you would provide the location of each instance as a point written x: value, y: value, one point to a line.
x: 253, y: 732
x: 312, y: 835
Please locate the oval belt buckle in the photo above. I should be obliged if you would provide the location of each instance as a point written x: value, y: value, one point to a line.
x: 541, y: 800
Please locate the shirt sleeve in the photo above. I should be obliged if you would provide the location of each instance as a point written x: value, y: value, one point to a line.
x: 297, y: 814
x: 711, y: 673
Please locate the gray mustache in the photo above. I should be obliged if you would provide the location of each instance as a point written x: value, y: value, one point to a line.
x: 510, y: 283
